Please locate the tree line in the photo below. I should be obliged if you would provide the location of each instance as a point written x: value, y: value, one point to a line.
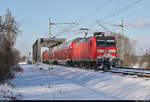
x: 9, y: 56
x: 126, y: 48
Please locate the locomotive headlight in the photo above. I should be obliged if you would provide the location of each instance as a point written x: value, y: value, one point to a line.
x: 112, y: 51
x: 107, y: 55
x: 99, y: 56
x: 112, y: 57
x: 100, y: 51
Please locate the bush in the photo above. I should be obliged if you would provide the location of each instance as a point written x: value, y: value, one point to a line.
x: 7, y: 61
x: 17, y: 68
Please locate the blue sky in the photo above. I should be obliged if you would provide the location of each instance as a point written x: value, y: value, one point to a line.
x: 32, y: 16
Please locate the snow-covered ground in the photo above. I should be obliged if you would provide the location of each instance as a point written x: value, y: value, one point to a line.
x: 22, y: 62
x: 37, y: 82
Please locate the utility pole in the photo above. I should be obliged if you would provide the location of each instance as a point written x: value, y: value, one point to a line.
x: 50, y: 67
x: 146, y: 52
x: 122, y: 26
x: 123, y: 41
x: 50, y: 33
x: 49, y: 27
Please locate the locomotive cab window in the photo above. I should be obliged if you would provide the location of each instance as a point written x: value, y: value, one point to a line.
x: 100, y: 42
x: 105, y: 41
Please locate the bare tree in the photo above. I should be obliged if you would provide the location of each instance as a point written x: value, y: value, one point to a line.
x: 126, y: 50
x: 16, y: 54
x: 23, y: 59
x: 10, y: 29
x: 8, y: 34
x: 145, y: 60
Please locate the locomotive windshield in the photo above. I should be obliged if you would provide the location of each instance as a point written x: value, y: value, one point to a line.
x: 105, y: 41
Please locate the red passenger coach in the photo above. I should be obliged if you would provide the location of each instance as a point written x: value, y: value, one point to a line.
x: 45, y: 56
x: 63, y: 52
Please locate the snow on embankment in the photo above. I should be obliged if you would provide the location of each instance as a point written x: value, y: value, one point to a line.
x: 36, y: 82
x: 39, y: 83
x: 8, y: 92
x: 122, y: 87
x: 22, y: 62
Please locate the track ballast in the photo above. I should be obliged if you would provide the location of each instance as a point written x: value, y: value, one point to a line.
x: 145, y: 73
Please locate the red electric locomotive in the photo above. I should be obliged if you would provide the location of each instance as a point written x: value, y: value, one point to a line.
x: 97, y: 51
x: 63, y: 52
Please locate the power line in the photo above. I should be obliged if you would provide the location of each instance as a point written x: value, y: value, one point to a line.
x: 100, y: 8
x: 117, y: 12
x: 84, y: 18
x: 130, y: 13
x: 121, y: 10
x: 65, y: 30
x: 113, y: 14
x: 103, y: 27
x: 50, y: 24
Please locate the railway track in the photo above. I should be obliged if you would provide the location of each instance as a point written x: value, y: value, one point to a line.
x: 145, y: 73
x: 131, y: 71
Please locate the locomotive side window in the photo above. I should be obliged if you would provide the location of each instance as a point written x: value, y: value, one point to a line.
x: 90, y: 43
x: 110, y: 42
x: 81, y: 41
x: 86, y: 39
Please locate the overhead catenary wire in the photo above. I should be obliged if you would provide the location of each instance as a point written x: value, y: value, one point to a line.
x: 103, y: 27
x: 126, y: 23
x: 117, y: 12
x: 92, y: 14
x: 81, y: 20
x: 120, y: 11
x: 131, y: 12
x: 108, y: 16
x: 65, y: 30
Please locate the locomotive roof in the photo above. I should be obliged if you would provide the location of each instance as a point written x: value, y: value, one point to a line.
x: 105, y: 36
x: 77, y: 39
